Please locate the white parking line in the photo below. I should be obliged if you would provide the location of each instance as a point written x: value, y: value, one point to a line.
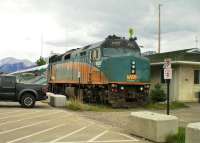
x: 8, y: 122
x: 125, y: 135
x: 19, y: 115
x: 109, y: 141
x: 67, y: 135
x: 112, y: 141
x: 37, y: 133
x: 11, y: 130
x: 98, y: 136
x: 5, y: 113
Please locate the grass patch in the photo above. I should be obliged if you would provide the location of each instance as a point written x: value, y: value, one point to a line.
x: 177, y: 138
x: 76, y: 105
x: 163, y: 106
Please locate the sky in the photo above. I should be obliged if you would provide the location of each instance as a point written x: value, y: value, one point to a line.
x: 60, y: 25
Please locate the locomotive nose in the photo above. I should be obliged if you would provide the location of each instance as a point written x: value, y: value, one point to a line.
x: 126, y: 69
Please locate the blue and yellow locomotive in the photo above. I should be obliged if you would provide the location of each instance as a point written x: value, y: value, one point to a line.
x: 112, y: 71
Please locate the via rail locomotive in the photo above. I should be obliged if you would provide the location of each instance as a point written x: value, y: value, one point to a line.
x: 112, y: 71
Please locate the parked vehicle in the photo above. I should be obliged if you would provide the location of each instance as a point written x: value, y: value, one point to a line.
x: 112, y: 71
x: 25, y: 94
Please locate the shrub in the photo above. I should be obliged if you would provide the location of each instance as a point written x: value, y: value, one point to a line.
x: 157, y: 94
x: 177, y: 138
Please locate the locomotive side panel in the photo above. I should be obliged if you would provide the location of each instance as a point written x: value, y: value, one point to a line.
x: 68, y: 73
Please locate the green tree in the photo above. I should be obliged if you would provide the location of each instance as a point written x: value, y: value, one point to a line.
x: 40, y: 61
x: 157, y: 94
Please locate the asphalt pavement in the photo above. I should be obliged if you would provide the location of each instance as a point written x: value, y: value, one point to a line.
x: 45, y: 124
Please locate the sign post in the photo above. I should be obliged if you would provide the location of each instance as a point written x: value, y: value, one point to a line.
x: 168, y: 108
x: 79, y: 84
x: 167, y: 77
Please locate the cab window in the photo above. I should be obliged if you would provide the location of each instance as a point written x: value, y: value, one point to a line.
x: 95, y: 54
x: 67, y: 57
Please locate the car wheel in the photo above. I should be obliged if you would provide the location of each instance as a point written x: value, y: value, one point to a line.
x: 27, y: 100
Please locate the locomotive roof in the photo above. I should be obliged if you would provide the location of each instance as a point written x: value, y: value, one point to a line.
x: 105, y: 43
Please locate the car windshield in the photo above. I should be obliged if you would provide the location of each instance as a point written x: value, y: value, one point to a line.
x: 32, y: 79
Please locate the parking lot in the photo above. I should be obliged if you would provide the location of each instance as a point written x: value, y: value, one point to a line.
x: 45, y: 124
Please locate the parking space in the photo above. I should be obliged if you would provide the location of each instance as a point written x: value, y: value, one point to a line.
x: 44, y: 124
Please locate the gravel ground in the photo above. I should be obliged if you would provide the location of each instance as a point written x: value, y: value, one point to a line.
x: 121, y: 119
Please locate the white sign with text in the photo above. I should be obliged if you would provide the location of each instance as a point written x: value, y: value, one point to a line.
x: 167, y: 69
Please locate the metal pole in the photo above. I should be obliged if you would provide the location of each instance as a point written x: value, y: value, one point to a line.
x: 159, y: 28
x: 168, y: 108
x: 42, y: 42
x: 79, y: 88
x: 196, y: 41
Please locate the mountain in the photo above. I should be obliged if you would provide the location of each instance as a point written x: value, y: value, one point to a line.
x: 8, y: 65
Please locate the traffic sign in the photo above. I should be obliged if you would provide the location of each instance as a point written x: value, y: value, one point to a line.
x: 168, y: 73
x: 167, y: 63
x: 167, y: 69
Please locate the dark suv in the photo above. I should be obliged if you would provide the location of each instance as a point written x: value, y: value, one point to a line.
x: 25, y: 94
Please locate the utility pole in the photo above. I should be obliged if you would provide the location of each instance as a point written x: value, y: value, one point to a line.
x: 196, y: 41
x: 159, y: 27
x: 42, y: 42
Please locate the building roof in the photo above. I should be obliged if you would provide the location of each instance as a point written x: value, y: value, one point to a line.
x: 186, y: 56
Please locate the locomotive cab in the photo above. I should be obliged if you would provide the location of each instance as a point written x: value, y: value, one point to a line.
x: 127, y: 71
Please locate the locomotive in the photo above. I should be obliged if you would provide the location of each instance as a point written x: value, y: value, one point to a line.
x: 111, y: 71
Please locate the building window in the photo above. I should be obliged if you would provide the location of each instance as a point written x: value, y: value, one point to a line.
x: 196, y: 76
x: 162, y: 80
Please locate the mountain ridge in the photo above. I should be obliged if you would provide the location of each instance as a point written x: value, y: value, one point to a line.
x: 10, y: 64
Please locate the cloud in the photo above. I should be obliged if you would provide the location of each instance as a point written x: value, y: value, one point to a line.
x: 66, y: 24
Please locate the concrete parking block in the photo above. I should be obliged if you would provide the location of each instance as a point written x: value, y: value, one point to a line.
x: 49, y: 94
x: 153, y: 126
x: 57, y: 100
x: 193, y: 133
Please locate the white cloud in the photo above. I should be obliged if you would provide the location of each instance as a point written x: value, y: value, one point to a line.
x: 67, y: 24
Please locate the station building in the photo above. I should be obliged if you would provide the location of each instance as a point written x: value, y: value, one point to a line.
x: 185, y: 83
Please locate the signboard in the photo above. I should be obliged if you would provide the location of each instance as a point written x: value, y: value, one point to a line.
x: 167, y: 69
x: 168, y: 73
x: 79, y: 74
x: 167, y: 64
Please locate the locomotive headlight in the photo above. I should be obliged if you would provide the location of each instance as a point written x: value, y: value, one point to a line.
x: 141, y: 88
x: 133, y: 67
x: 122, y: 88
